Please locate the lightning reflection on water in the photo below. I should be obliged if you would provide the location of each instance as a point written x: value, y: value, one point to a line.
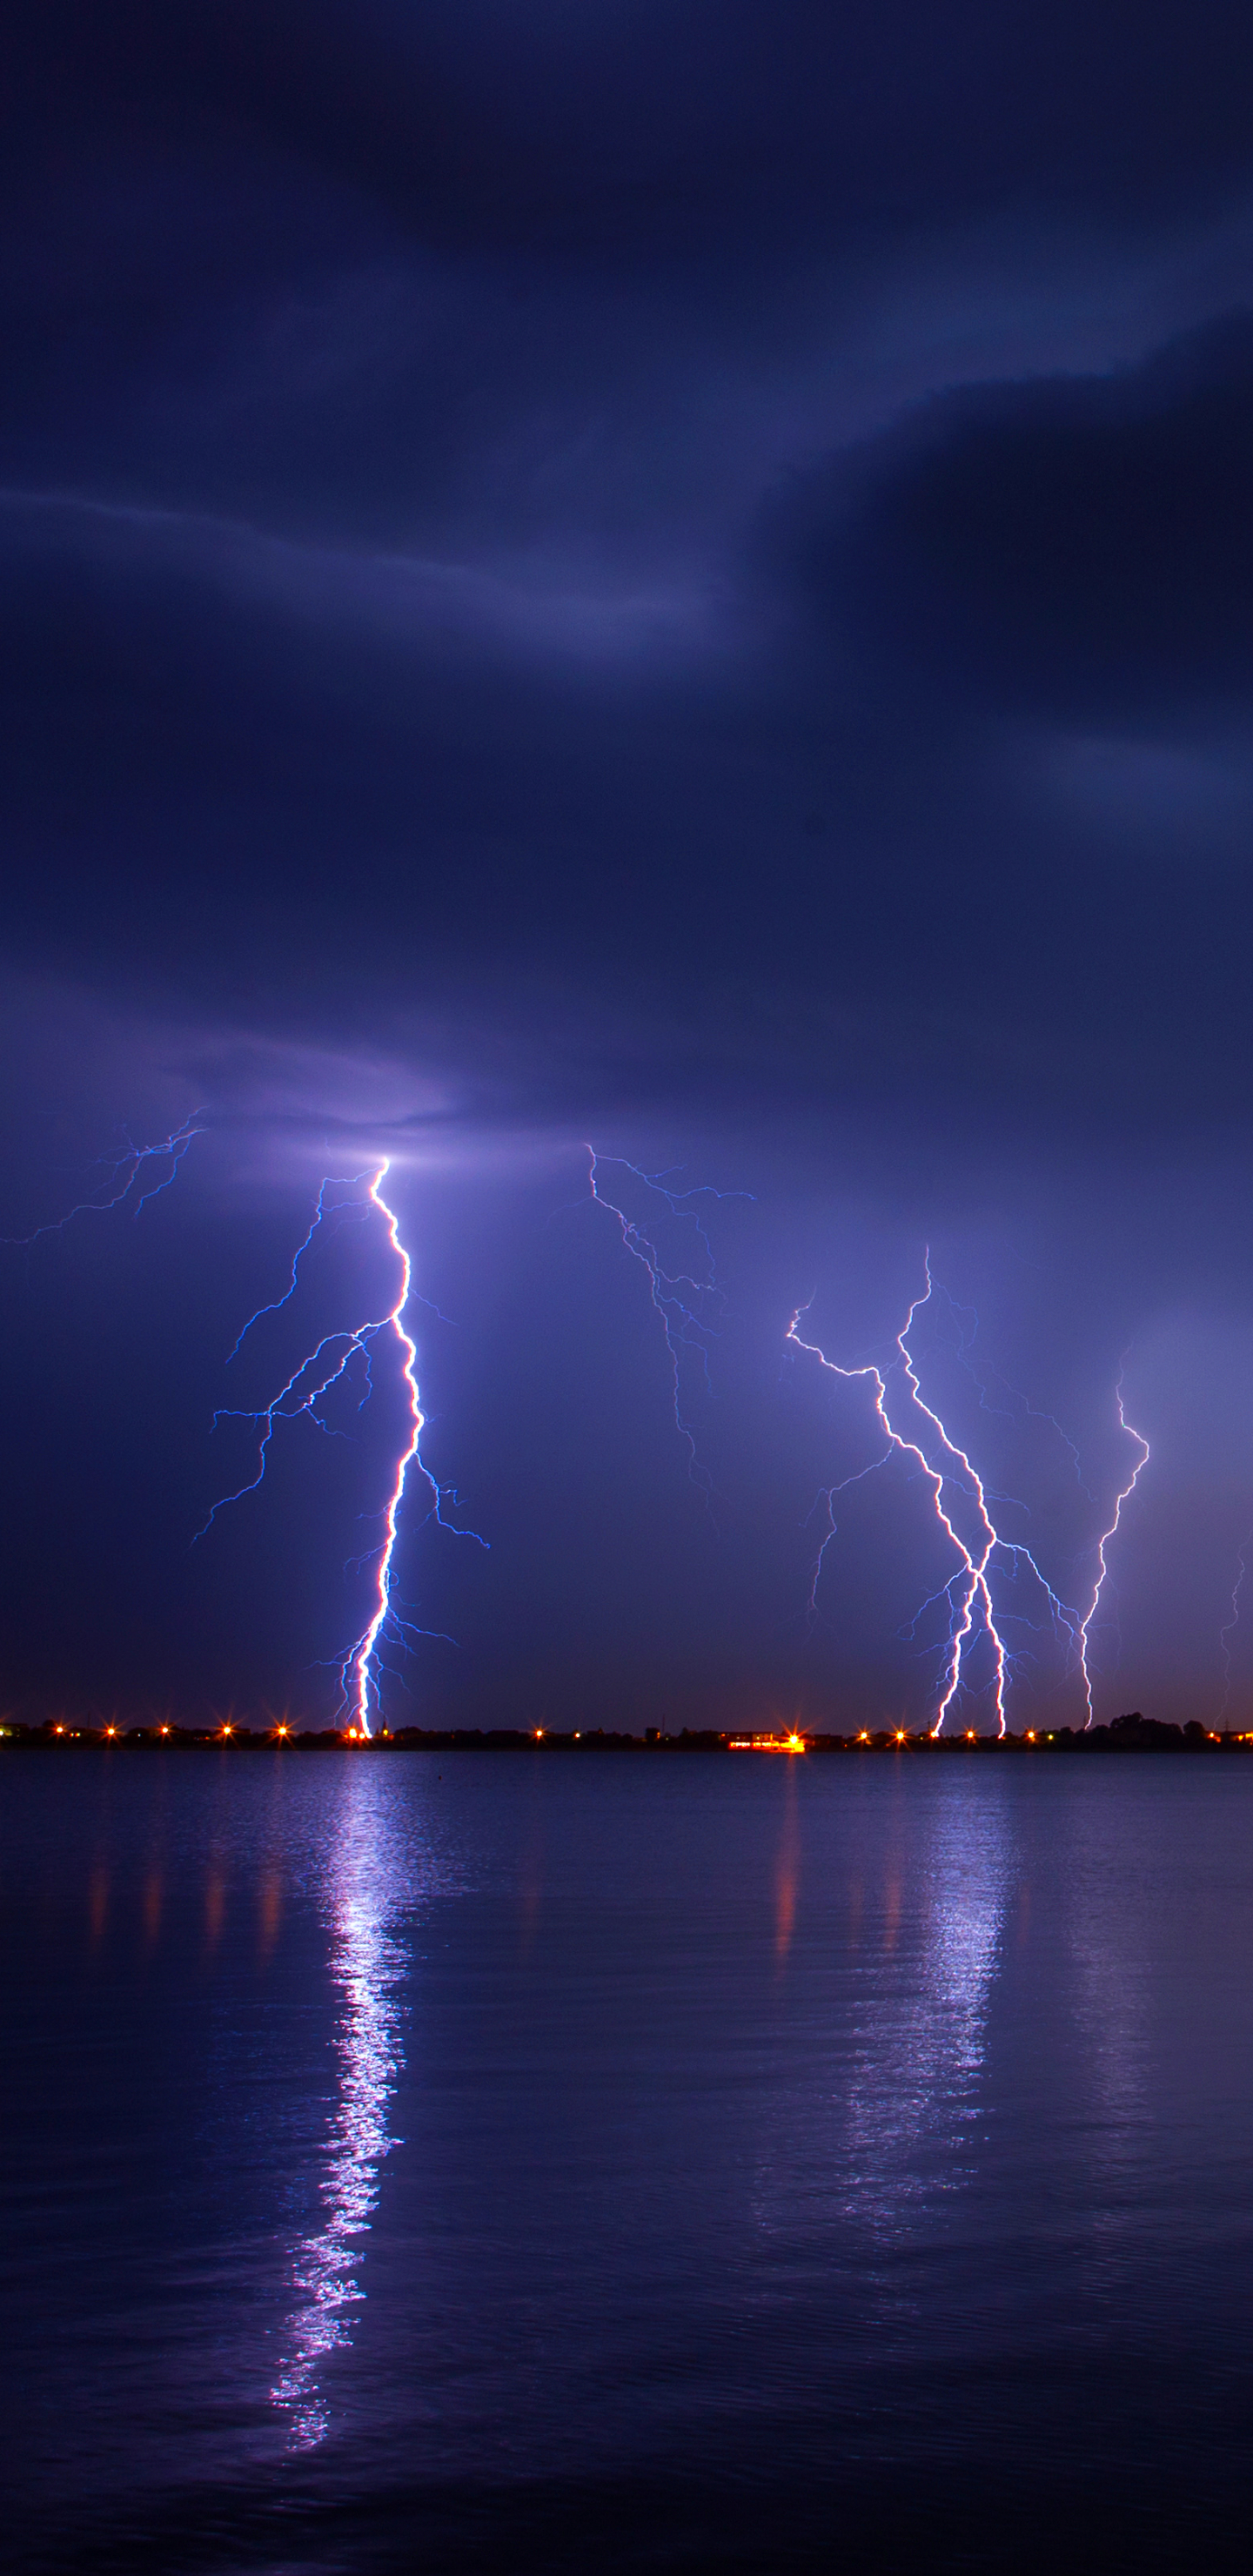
x: 366, y: 1894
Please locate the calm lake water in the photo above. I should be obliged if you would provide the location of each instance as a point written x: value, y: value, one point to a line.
x: 607, y: 2163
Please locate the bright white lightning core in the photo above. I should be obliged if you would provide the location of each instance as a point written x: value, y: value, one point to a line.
x: 963, y: 1507
x: 336, y: 1359
x: 361, y: 1660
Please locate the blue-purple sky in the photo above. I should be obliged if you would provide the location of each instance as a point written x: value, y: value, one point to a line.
x: 677, y: 578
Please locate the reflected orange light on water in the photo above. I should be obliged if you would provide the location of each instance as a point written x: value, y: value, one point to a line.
x: 788, y: 1871
x: 270, y: 1909
x: 785, y: 1913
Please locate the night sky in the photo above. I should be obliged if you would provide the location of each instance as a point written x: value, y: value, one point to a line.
x: 674, y: 580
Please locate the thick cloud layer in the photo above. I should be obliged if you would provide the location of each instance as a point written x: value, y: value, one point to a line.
x: 680, y: 577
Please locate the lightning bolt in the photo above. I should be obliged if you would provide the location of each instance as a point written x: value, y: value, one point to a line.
x: 1230, y: 1624
x: 352, y: 1349
x: 1003, y: 1412
x: 959, y: 1495
x: 120, y: 1174
x: 326, y: 1214
x: 689, y: 1309
x: 1102, y: 1544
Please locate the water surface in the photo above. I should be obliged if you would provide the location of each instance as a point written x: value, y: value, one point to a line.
x: 626, y: 2163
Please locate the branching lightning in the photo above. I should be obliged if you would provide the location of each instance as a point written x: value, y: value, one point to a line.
x: 1230, y: 1625
x: 1026, y: 1410
x: 1102, y: 1544
x: 963, y: 1506
x: 351, y: 1351
x: 690, y: 1309
x: 119, y: 1177
x: 326, y: 1213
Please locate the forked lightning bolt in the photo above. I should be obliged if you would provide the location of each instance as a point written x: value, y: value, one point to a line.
x: 328, y: 1365
x: 119, y: 1175
x: 1229, y: 1626
x: 359, y: 1661
x: 1102, y: 1544
x: 963, y: 1509
x: 689, y: 1308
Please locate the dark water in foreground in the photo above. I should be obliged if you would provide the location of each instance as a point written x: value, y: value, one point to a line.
x: 486, y: 2163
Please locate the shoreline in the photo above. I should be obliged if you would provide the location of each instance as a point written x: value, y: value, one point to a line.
x: 1129, y: 1734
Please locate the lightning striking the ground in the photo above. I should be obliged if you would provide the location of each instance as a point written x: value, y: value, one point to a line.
x: 119, y: 1176
x: 338, y: 1358
x: 1230, y: 1625
x: 963, y: 1506
x: 1102, y: 1544
x: 690, y: 1309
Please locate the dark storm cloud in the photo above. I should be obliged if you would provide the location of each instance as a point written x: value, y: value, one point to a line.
x: 635, y: 123
x: 1079, y: 553
x: 309, y: 766
x: 676, y: 574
